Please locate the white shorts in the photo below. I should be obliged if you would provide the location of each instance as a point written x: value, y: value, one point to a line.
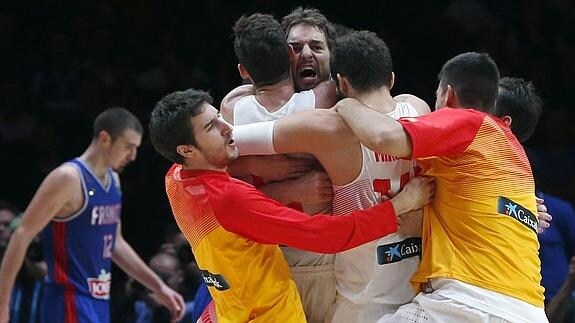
x: 344, y: 311
x: 316, y: 286
x: 432, y: 308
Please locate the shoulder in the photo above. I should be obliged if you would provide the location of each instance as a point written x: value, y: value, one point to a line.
x: 65, y: 174
x: 232, y: 98
x: 63, y: 180
x: 228, y: 191
x: 447, y: 120
x: 421, y: 106
x: 460, y: 114
x: 173, y: 169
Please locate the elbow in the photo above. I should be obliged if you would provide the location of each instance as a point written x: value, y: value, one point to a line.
x: 392, y: 141
x: 379, y: 142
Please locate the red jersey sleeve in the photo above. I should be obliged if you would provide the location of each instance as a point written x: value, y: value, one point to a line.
x: 444, y: 132
x: 247, y: 212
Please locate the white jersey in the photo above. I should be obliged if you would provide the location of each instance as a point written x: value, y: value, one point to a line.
x: 378, y: 271
x: 249, y: 110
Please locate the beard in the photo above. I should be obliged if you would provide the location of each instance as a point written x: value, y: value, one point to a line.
x: 219, y: 158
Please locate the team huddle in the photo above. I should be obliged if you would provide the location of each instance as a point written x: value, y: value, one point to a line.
x: 314, y: 195
x: 471, y: 252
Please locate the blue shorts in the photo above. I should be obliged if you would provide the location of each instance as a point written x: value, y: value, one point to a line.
x: 67, y: 306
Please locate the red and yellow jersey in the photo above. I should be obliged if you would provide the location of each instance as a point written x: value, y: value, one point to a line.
x: 481, y: 227
x: 234, y: 231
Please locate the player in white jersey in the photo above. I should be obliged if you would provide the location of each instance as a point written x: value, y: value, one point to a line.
x: 372, y: 279
x: 262, y: 52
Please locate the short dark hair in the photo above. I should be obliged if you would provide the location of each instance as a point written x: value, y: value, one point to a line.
x: 261, y: 47
x: 115, y: 121
x: 518, y: 99
x: 170, y: 124
x: 364, y: 59
x: 341, y: 30
x: 475, y: 79
x: 310, y: 17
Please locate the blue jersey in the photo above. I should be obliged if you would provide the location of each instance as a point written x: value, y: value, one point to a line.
x: 557, y: 244
x: 78, y: 251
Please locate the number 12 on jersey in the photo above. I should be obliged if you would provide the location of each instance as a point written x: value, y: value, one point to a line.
x: 108, y: 246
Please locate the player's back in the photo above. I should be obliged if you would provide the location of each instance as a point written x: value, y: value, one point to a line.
x: 379, y: 271
x: 78, y: 250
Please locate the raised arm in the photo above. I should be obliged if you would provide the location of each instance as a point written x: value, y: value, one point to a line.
x: 54, y: 192
x: 375, y: 130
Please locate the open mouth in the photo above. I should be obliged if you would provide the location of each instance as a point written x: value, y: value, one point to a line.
x: 307, y: 72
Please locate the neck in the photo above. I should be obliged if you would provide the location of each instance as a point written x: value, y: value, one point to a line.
x: 379, y: 100
x: 199, y: 166
x: 96, y: 160
x: 274, y: 96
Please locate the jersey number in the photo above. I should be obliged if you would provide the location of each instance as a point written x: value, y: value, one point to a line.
x: 383, y: 186
x: 108, y: 244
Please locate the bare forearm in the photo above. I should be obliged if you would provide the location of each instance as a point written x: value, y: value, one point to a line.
x: 279, y: 192
x: 374, y: 129
x: 126, y: 258
x: 11, y: 264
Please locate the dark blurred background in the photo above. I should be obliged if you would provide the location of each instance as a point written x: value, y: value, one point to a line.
x: 63, y: 61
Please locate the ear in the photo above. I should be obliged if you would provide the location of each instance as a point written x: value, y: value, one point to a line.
x: 508, y: 120
x: 343, y: 85
x: 452, y: 100
x: 392, y: 80
x: 104, y: 138
x: 243, y: 72
x: 186, y: 151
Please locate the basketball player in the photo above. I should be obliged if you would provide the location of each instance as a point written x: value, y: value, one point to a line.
x: 372, y: 279
x: 77, y: 207
x: 234, y: 229
x: 479, y: 260
x: 264, y: 58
